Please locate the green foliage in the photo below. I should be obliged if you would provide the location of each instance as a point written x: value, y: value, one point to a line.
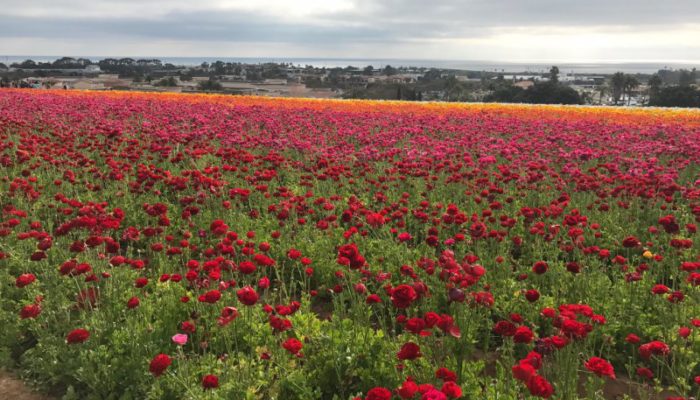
x: 676, y: 96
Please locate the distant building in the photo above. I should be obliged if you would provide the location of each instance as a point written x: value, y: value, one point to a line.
x: 524, y: 84
x: 275, y: 82
x: 92, y: 69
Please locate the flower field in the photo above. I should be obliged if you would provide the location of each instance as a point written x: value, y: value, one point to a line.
x: 209, y: 247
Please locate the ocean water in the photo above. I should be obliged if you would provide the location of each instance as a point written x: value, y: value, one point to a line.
x: 474, y: 65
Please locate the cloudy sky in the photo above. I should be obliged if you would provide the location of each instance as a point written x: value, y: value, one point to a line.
x: 495, y: 30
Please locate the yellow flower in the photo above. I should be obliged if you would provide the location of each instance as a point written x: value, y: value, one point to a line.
x: 647, y: 254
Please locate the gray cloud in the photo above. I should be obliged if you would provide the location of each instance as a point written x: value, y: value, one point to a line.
x: 370, y: 23
x: 487, y: 13
x: 239, y: 26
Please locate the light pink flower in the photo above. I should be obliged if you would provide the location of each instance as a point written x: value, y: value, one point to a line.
x: 180, y: 339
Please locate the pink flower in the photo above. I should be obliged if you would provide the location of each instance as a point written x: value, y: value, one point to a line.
x: 180, y: 339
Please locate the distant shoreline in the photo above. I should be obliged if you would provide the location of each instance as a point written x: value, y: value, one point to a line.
x: 465, y: 65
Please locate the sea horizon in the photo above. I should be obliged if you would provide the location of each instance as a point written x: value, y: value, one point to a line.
x: 597, y: 67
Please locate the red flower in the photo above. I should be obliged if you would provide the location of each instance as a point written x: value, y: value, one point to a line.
x: 133, y: 302
x: 409, y: 351
x: 676, y: 297
x: 24, y: 280
x: 349, y: 255
x: 378, y: 393
x: 210, y: 297
x: 415, y: 325
x: 408, y: 389
x: 141, y: 282
x: 660, y: 289
x: 523, y: 371
x: 445, y: 374
x: 451, y: 389
x: 292, y: 345
x: 523, y: 335
x: 247, y: 295
x: 30, y: 311
x: 539, y: 386
x: 432, y: 394
x: 632, y: 338
x: 653, y: 348
x: 540, y: 267
x: 532, y: 295
x: 645, y: 373
x: 77, y: 336
x: 159, y: 364
x: 210, y: 382
x: 504, y: 328
x: 600, y: 367
x: 218, y: 227
x: 403, y: 295
x: 247, y: 267
x: 630, y: 242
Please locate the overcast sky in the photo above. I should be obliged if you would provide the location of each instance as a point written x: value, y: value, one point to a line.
x: 495, y: 30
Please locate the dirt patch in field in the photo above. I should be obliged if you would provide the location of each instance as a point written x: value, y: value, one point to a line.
x: 13, y: 388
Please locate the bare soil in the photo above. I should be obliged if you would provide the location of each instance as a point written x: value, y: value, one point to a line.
x: 12, y: 388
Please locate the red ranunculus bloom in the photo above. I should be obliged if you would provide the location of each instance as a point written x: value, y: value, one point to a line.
x: 540, y: 387
x: 408, y: 389
x: 24, y: 280
x: 523, y: 371
x: 210, y: 382
x: 655, y: 347
x: 30, y: 311
x: 159, y: 364
x: 292, y: 345
x: 247, y: 296
x: 403, y: 296
x: 133, y: 302
x: 210, y: 297
x: 540, y: 267
x: 77, y: 336
x: 409, y: 351
x: 523, y: 335
x: 378, y: 393
x: 600, y: 367
x: 451, y: 389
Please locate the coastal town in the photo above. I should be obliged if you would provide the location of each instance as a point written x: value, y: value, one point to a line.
x: 389, y: 83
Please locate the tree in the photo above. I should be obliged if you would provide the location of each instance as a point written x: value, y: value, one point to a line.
x: 602, y: 91
x: 64, y: 62
x: 452, y: 87
x: 167, y: 82
x: 539, y: 93
x: 219, y: 67
x: 654, y: 84
x: 631, y: 83
x: 389, y: 70
x: 210, y: 85
x: 687, y: 78
x: 676, y: 96
x: 617, y: 84
x: 26, y: 64
x: 368, y: 70
x: 554, y: 74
